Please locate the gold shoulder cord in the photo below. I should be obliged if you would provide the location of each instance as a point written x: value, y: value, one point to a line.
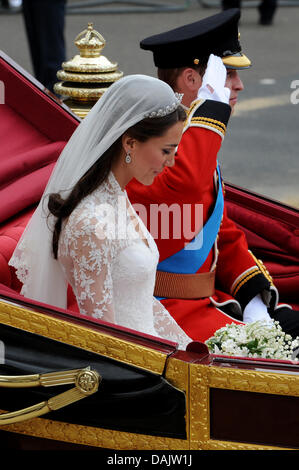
x: 262, y: 268
x: 194, y: 105
x: 210, y: 123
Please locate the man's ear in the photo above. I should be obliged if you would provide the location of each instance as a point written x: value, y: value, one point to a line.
x: 191, y: 79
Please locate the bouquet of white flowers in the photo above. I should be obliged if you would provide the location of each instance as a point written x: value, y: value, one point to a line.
x: 259, y: 339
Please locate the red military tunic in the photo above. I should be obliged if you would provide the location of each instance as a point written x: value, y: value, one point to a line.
x: 193, y: 180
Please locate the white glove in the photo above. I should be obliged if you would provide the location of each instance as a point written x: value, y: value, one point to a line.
x: 213, y: 82
x: 256, y: 310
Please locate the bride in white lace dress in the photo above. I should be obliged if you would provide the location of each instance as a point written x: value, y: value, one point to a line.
x: 92, y: 237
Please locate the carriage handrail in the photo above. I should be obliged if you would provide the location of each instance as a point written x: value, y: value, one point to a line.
x: 86, y: 383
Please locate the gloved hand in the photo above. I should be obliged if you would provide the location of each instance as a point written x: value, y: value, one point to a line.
x: 256, y: 310
x: 213, y: 82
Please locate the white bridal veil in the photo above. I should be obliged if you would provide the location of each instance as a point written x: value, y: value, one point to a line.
x: 125, y: 103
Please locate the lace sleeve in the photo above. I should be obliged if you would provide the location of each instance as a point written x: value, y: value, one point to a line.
x: 167, y: 327
x: 86, y: 257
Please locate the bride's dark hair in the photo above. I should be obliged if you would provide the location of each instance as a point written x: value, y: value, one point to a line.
x: 96, y: 175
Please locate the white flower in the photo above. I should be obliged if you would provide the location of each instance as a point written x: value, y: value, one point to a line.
x: 258, y: 339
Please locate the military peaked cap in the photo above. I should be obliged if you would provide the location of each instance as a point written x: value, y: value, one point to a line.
x: 193, y: 43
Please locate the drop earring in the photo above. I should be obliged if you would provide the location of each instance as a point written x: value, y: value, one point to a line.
x: 128, y: 158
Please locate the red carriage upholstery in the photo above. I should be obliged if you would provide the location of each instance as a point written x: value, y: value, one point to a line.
x: 272, y: 232
x: 34, y: 129
x: 9, y: 237
x: 8, y: 241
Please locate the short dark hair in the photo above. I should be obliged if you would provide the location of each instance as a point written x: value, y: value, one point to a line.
x: 170, y: 76
x: 91, y: 180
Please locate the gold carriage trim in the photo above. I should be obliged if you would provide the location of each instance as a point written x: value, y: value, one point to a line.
x: 83, y: 337
x: 203, y: 378
x: 196, y: 380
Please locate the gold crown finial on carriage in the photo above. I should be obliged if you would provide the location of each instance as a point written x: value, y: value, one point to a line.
x: 85, y: 78
x: 90, y: 42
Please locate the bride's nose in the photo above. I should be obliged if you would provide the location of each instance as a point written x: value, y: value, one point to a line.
x: 169, y: 161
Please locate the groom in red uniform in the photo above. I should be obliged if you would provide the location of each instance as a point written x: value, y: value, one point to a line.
x: 210, y: 279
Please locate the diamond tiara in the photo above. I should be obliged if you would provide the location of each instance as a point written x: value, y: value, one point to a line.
x: 168, y: 109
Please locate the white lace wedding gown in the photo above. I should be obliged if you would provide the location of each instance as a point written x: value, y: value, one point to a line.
x: 110, y: 260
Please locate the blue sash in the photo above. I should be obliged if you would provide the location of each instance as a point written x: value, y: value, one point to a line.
x: 190, y: 258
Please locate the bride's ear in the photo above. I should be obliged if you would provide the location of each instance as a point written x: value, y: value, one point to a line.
x: 128, y: 142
